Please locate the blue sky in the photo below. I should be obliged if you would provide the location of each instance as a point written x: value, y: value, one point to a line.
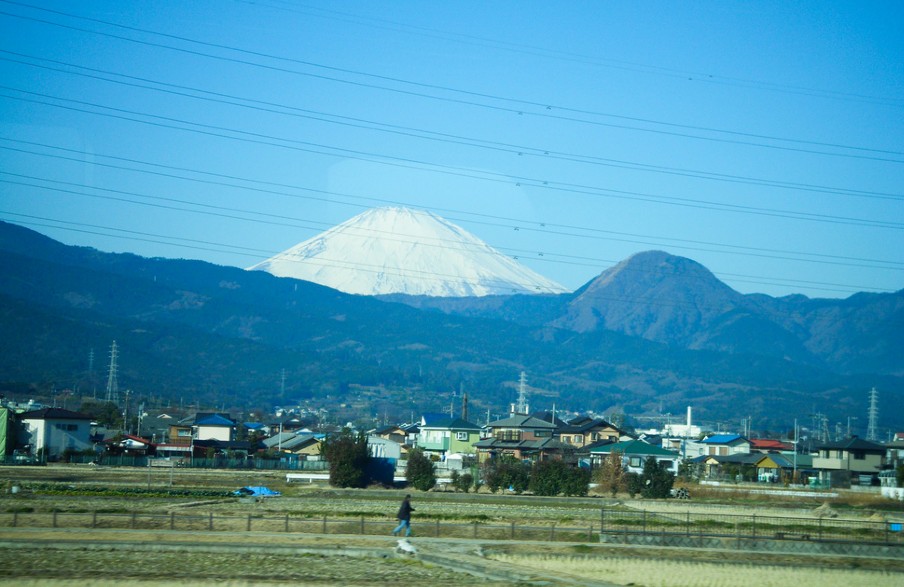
x: 764, y: 140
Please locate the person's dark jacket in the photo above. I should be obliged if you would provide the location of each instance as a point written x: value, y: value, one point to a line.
x: 405, y: 511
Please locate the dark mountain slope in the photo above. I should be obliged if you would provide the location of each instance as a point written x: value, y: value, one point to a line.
x: 205, y: 333
x: 678, y: 302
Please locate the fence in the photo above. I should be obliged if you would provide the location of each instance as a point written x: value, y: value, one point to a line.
x: 286, y: 523
x: 620, y: 522
x: 612, y: 523
x: 183, y: 462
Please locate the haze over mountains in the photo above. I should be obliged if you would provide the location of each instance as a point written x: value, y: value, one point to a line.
x: 655, y: 333
x: 399, y: 250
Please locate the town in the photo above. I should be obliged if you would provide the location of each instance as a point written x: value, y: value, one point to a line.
x: 456, y: 445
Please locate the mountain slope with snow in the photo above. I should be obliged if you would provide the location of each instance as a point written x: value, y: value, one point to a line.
x: 399, y: 250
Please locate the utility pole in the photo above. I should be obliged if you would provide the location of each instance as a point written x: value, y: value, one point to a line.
x: 794, y: 472
x: 125, y: 413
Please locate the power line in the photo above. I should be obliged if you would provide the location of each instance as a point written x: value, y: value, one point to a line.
x: 273, y: 219
x: 202, y: 245
x: 537, y: 51
x: 446, y: 138
x: 545, y: 110
x: 410, y: 163
x: 501, y: 221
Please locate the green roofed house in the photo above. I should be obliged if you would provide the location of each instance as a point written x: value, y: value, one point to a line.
x: 443, y: 435
x: 634, y: 453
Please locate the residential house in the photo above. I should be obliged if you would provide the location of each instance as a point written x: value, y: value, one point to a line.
x: 129, y: 445
x: 212, y: 426
x: 54, y: 431
x: 634, y: 454
x: 851, y: 459
x: 735, y: 467
x: 305, y: 446
x: 391, y: 432
x: 180, y: 433
x: 216, y: 448
x: 894, y: 456
x: 584, y: 430
x: 769, y: 445
x: 726, y: 444
x: 688, y: 448
x: 257, y: 429
x: 154, y: 428
x: 444, y: 435
x: 384, y: 448
x: 523, y: 437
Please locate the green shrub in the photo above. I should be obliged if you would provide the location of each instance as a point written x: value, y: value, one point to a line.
x: 348, y: 457
x: 421, y: 472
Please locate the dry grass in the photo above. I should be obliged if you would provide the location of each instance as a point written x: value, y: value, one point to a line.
x: 650, y: 572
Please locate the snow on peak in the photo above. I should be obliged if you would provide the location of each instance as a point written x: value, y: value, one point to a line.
x: 399, y: 250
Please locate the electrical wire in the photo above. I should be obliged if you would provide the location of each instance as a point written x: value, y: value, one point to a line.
x: 544, y: 109
x: 260, y: 254
x: 501, y: 221
x: 410, y: 163
x: 446, y: 138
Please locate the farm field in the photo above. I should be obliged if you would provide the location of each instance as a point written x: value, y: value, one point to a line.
x: 79, y: 557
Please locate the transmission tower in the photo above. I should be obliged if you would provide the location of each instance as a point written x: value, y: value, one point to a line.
x: 821, y: 427
x: 871, y: 429
x: 112, y: 380
x: 521, y: 407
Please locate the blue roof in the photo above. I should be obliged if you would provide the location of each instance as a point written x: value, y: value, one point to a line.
x: 214, y: 420
x: 723, y: 438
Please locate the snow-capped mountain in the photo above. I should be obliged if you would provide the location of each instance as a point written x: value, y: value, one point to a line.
x: 399, y: 250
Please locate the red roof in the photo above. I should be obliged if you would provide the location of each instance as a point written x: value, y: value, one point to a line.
x: 769, y: 444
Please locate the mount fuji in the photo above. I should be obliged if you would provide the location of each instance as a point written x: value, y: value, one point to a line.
x: 397, y: 250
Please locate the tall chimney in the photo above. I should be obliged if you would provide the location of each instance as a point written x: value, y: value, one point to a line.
x: 688, y: 419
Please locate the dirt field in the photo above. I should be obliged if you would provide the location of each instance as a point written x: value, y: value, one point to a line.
x: 78, y: 558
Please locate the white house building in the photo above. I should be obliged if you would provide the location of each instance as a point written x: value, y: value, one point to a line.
x: 53, y: 431
x: 209, y: 426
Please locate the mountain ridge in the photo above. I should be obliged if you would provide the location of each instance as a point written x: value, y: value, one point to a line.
x: 223, y: 334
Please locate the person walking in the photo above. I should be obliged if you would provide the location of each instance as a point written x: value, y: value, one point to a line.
x: 404, y: 517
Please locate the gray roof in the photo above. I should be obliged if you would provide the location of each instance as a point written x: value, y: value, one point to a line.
x: 521, y: 421
x: 853, y: 443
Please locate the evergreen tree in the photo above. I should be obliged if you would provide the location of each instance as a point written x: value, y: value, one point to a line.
x: 348, y: 457
x: 554, y: 477
x: 421, y: 472
x: 656, y: 479
x: 506, y: 472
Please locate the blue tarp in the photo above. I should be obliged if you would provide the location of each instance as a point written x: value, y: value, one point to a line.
x: 258, y: 491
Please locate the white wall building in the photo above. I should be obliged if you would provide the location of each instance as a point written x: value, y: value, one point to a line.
x: 53, y: 431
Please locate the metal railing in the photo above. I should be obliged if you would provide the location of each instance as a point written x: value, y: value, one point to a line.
x: 614, y: 523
